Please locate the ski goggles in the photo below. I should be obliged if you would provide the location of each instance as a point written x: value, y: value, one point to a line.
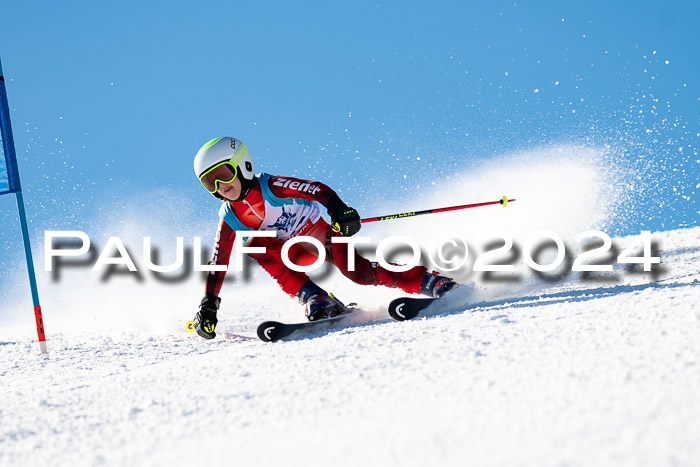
x: 224, y: 172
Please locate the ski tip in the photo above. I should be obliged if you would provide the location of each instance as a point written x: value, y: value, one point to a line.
x: 267, y: 331
x: 189, y: 326
x: 405, y: 308
x: 400, y: 311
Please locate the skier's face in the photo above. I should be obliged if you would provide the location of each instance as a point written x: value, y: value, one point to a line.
x: 230, y: 190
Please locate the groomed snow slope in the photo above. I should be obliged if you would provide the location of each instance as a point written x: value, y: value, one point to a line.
x: 575, y: 373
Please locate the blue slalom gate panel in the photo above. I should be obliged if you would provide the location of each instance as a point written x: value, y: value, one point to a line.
x: 9, y: 176
x: 4, y: 182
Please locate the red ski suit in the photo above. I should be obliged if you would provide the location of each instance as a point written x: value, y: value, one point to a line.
x: 250, y: 212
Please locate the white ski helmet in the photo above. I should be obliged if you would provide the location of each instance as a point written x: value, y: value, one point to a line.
x: 220, y: 151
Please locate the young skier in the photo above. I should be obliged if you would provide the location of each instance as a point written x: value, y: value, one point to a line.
x: 290, y: 207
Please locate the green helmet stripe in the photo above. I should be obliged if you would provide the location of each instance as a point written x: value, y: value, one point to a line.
x: 209, y: 143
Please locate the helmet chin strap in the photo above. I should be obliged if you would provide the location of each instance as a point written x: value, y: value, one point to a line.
x: 246, y: 185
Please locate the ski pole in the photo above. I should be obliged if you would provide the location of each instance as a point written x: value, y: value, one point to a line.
x: 503, y: 202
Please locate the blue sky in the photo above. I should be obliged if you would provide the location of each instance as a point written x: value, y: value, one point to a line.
x: 114, y: 98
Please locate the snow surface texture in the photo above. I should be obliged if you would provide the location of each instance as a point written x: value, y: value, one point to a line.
x: 602, y: 371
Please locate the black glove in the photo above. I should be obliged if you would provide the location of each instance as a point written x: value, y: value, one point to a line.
x: 205, y: 320
x: 345, y: 220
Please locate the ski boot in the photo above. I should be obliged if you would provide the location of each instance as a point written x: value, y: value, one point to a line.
x: 318, y: 303
x: 434, y: 285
